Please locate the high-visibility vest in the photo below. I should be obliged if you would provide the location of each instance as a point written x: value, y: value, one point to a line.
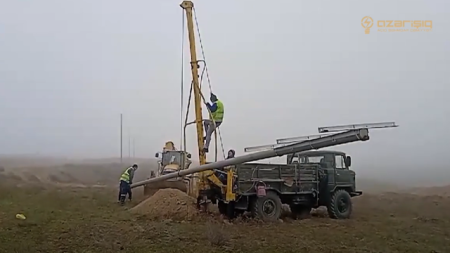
x: 126, y: 175
x: 218, y: 114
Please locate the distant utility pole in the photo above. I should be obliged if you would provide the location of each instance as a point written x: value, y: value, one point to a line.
x: 121, y: 137
x: 134, y: 148
x: 129, y: 144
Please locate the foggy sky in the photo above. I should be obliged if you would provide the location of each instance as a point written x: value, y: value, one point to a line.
x: 282, y: 69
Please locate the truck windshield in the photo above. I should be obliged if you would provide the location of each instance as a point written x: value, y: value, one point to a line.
x: 326, y: 160
x: 171, y: 157
x: 311, y: 159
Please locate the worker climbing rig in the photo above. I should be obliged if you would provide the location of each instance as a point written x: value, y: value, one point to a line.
x: 198, y: 183
x: 201, y: 180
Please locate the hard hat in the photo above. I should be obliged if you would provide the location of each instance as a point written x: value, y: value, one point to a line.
x: 135, y: 165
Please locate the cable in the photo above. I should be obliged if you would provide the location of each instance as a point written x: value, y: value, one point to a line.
x: 208, y: 79
x: 188, y: 105
x: 201, y: 47
x: 209, y: 112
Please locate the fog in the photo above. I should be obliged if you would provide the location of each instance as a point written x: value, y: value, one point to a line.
x: 68, y: 69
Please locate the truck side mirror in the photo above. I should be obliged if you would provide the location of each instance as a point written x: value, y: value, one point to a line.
x: 348, y: 161
x: 157, y: 155
x: 189, y: 156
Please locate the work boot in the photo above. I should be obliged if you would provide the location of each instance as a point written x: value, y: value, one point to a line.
x: 122, y: 201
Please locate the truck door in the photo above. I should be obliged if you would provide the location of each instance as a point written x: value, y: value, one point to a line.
x: 327, y: 163
x: 343, y: 176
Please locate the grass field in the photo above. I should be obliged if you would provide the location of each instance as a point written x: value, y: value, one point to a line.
x: 89, y: 220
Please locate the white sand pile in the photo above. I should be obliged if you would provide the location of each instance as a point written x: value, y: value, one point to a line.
x: 168, y: 204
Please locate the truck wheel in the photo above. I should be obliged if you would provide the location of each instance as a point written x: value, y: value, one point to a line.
x: 300, y: 212
x: 340, y: 206
x: 223, y: 208
x: 268, y: 208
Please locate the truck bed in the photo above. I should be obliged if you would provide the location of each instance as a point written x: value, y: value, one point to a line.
x: 284, y: 178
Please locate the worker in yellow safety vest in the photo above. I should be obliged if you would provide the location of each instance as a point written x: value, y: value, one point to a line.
x: 221, y: 173
x: 126, y: 179
x: 217, y: 112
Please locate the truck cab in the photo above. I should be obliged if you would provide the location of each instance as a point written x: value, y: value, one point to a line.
x: 335, y: 164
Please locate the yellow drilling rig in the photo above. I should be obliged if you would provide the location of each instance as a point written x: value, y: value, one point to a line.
x: 309, y: 178
x: 172, y: 160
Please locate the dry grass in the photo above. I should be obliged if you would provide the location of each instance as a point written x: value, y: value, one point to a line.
x: 216, y: 235
x: 89, y: 220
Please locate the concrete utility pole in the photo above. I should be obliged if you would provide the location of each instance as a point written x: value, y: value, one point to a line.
x: 134, y: 148
x: 121, y: 138
x: 129, y: 145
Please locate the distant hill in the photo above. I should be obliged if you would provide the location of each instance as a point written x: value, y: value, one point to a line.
x: 107, y: 170
x: 38, y: 169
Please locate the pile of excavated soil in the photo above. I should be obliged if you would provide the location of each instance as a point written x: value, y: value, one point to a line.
x: 168, y: 204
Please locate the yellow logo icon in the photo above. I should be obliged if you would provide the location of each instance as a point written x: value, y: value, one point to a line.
x: 367, y: 23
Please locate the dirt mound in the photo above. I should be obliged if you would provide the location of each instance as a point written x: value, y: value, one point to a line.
x: 168, y: 204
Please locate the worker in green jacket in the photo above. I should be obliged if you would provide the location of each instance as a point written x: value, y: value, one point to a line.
x: 217, y: 112
x: 125, y: 183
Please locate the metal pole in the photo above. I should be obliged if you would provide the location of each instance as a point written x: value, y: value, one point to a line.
x: 121, y: 138
x: 329, y: 141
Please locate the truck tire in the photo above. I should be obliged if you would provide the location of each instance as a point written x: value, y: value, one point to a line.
x: 267, y: 208
x: 340, y: 206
